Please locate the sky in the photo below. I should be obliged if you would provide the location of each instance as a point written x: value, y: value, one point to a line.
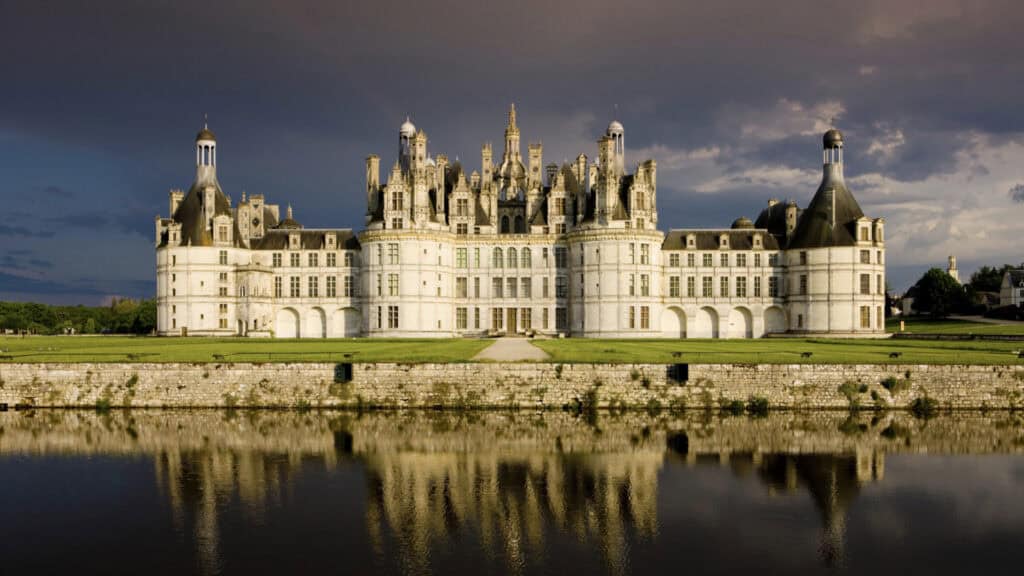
x: 100, y: 103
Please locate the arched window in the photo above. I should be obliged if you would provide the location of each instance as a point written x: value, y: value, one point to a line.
x: 512, y: 258
x: 519, y: 225
x: 496, y: 260
x: 524, y: 258
x: 504, y: 225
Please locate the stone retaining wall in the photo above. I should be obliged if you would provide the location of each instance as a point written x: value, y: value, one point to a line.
x: 508, y: 385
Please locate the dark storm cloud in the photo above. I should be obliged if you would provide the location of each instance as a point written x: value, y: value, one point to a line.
x: 101, y: 100
x: 10, y: 283
x: 1017, y: 193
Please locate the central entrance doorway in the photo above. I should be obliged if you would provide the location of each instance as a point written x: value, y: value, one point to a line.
x: 510, y: 324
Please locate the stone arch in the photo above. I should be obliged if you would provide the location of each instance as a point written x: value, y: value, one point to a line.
x: 347, y: 323
x: 315, y: 325
x: 673, y: 322
x: 705, y: 324
x: 741, y: 323
x: 774, y: 320
x: 286, y: 323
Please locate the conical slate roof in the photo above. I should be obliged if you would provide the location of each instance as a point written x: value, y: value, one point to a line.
x: 830, y: 218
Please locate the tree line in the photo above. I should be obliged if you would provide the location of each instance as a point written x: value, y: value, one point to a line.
x: 937, y: 294
x: 122, y: 316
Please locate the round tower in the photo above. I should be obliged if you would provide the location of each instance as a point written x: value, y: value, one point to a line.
x: 206, y: 156
x: 406, y: 132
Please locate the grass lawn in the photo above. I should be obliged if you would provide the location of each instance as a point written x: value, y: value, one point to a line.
x: 782, y: 351
x: 148, y: 349
x: 951, y: 326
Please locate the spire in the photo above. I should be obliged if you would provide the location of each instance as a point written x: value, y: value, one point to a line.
x: 512, y: 115
x: 289, y: 211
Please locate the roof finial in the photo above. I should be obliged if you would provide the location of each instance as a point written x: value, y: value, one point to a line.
x: 289, y: 211
x: 512, y: 115
x: 204, y: 121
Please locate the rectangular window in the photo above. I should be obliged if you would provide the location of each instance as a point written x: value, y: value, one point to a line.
x: 223, y: 257
x: 462, y: 229
x: 673, y: 286
x: 673, y: 260
x: 560, y: 257
x: 741, y: 287
x: 881, y: 289
x: 741, y: 260
x: 879, y: 318
x: 332, y: 259
x: 645, y: 285
x: 349, y: 292
x: 525, y: 319
x: 632, y: 284
x: 511, y: 282
x: 561, y: 319
x: 461, y: 318
x: 332, y: 286
x: 632, y: 253
x: 314, y: 260
x: 544, y: 318
x: 393, y: 254
x: 276, y: 259
x: 723, y: 286
x: 706, y: 260
x: 380, y: 285
x: 544, y: 257
x: 757, y: 260
x: 497, y: 260
x: 496, y: 288
x: 545, y: 291
x: 864, y: 234
x: 392, y: 284
x: 223, y: 276
x: 392, y: 317
x: 645, y: 253
x: 865, y: 283
x: 379, y: 308
x: 293, y: 286
x: 476, y: 257
x: 691, y: 289
x: 314, y: 287
x: 293, y: 259
x: 803, y: 284
x: 865, y: 317
x: 277, y: 287
x: 223, y: 322
x: 757, y: 286
x: 865, y: 256
x: 461, y: 287
x: 223, y: 308
x: 496, y: 319
x: 878, y: 257
x: 223, y: 291
x: 773, y: 259
x: 723, y: 260
x: 476, y: 287
x: 462, y: 207
x: 476, y: 318
x: 773, y: 287
x: 526, y: 258
x: 461, y: 258
x: 690, y: 260
x: 525, y: 288
x: 645, y: 318
x: 803, y: 258
x: 561, y: 287
x: 705, y: 286
x: 632, y: 317
x: 348, y: 259
x: 380, y: 254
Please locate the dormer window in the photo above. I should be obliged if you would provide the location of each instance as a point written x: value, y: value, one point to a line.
x: 293, y: 241
x: 757, y: 241
x: 723, y: 241
x: 691, y: 241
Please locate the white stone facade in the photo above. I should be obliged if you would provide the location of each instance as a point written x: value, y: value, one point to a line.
x: 516, y: 249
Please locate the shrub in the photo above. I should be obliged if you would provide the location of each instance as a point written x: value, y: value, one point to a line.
x: 734, y: 407
x: 757, y: 406
x: 924, y: 407
x: 634, y: 374
x: 894, y: 385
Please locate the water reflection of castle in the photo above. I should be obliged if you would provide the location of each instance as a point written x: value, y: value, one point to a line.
x: 509, y: 482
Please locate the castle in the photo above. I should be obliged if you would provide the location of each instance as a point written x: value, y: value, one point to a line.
x: 511, y: 249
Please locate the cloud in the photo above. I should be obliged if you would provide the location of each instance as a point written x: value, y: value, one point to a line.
x: 1017, y: 193
x: 57, y: 191
x: 24, y: 232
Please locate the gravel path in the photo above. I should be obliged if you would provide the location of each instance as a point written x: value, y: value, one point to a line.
x: 511, y: 350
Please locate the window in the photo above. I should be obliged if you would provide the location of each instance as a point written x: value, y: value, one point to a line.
x: 706, y: 260
x: 462, y: 229
x: 773, y: 287
x: 314, y: 286
x: 544, y: 257
x: 461, y: 258
x: 757, y: 260
x: 496, y: 319
x: 525, y: 258
x: 512, y: 284
x: 865, y: 256
x: 277, y: 287
x: 392, y: 316
x: 348, y: 259
x: 741, y: 260
x: 174, y: 260
x: 645, y: 318
x: 379, y: 308
x: 223, y: 323
x: 645, y: 253
x: 773, y: 259
x: 691, y: 289
x: 393, y: 254
x: 705, y: 286
x: 878, y: 257
x: 496, y: 288
x: 723, y: 260
x: 293, y: 286
x: 512, y: 258
x: 476, y: 287
x: 396, y: 200
x: 332, y: 259
x: 476, y: 318
x: 461, y: 318
x: 392, y: 284
x: 314, y: 260
x: 690, y: 259
x: 799, y: 320
x: 803, y: 258
x: 222, y: 233
x: 632, y: 284
x: 741, y: 287
x: 462, y: 207
x: 223, y: 257
x: 276, y: 259
x: 645, y: 285
x: 879, y: 318
x: 349, y: 287
x: 865, y: 284
x: 293, y: 259
x: 223, y: 291
x: 561, y: 287
x: 526, y: 288
x: 380, y: 285
x: 723, y: 286
x: 881, y: 289
x: 525, y: 319
x: 560, y: 257
x: 496, y: 258
x: 223, y: 308
x: 757, y: 286
x: 544, y: 318
x: 544, y: 287
x: 865, y: 317
x: 380, y: 255
x: 803, y: 284
x: 673, y: 286
x: 632, y: 317
x: 223, y: 276
x: 461, y: 287
x: 332, y: 286
x: 632, y: 253
x: 673, y: 260
x: 561, y: 318
x: 864, y: 234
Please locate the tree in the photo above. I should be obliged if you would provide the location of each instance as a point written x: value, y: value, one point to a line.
x: 988, y: 278
x: 938, y: 294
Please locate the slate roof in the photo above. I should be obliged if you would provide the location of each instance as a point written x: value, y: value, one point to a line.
x: 709, y: 239
x: 194, y: 232
x: 308, y: 239
x: 832, y: 203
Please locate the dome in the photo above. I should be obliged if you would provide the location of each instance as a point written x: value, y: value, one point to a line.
x: 742, y: 223
x: 431, y: 162
x: 205, y: 134
x: 832, y: 139
x: 615, y: 127
x: 407, y: 128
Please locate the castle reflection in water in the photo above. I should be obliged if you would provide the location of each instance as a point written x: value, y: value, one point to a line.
x: 507, y: 481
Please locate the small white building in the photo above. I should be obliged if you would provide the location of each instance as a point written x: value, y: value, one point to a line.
x: 516, y: 248
x: 1011, y: 291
